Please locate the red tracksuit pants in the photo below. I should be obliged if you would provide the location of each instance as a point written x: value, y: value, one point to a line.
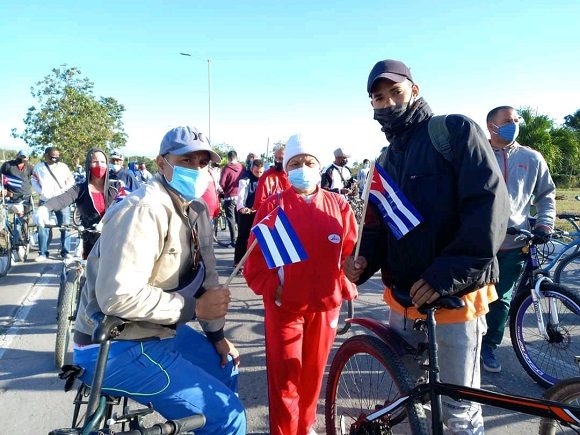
x: 297, y: 348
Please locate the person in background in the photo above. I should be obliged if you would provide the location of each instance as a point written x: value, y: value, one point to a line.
x: 144, y: 173
x: 528, y: 181
x: 274, y: 179
x: 464, y: 209
x: 302, y: 300
x: 79, y: 174
x: 229, y: 180
x: 362, y: 176
x: 337, y: 177
x: 249, y: 159
x: 17, y: 177
x: 245, y: 207
x: 50, y: 178
x: 155, y: 267
x: 117, y: 172
x: 92, y: 198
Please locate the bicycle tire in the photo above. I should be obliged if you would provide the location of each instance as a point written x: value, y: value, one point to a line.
x: 567, y: 391
x: 567, y: 272
x: 367, y: 356
x: 23, y: 249
x: 547, y: 361
x: 65, y: 317
x: 348, y: 315
x: 5, y: 252
x: 221, y: 234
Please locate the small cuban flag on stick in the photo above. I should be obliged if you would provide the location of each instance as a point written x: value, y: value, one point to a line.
x: 10, y: 181
x: 396, y: 210
x: 278, y: 241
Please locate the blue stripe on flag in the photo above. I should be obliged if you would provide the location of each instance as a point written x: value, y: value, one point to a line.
x: 292, y: 234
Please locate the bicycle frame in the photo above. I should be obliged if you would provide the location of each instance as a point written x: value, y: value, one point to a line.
x: 434, y: 389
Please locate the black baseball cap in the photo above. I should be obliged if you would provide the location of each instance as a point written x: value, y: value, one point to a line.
x: 393, y: 70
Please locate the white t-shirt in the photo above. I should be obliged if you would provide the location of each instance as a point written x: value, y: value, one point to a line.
x: 45, y: 184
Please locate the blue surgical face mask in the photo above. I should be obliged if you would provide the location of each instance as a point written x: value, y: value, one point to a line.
x: 189, y: 183
x: 508, y: 132
x: 304, y: 178
x: 115, y: 168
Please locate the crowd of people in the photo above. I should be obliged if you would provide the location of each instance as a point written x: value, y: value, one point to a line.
x: 163, y: 273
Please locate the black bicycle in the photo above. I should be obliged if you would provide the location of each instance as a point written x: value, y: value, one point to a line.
x: 221, y: 233
x: 369, y: 391
x: 99, y: 418
x: 15, y: 233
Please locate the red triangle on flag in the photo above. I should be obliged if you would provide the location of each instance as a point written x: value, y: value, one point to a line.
x: 270, y: 219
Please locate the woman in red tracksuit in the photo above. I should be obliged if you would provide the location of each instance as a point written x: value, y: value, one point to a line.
x: 302, y: 300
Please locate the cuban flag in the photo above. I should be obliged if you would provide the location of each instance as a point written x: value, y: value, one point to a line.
x: 10, y: 181
x: 278, y: 240
x: 122, y: 194
x: 396, y: 210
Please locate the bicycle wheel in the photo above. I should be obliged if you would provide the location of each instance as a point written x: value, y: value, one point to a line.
x: 23, y: 247
x: 65, y: 317
x: 364, y: 376
x: 221, y: 234
x: 568, y: 272
x: 547, y: 360
x: 567, y: 391
x: 5, y: 252
x: 346, y: 312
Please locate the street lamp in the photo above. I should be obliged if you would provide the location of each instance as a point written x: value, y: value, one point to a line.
x: 208, y: 95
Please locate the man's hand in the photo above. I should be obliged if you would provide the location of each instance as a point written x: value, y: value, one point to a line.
x: 354, y: 269
x: 245, y: 210
x: 225, y: 348
x: 422, y: 293
x: 278, y: 294
x: 213, y: 304
x: 345, y: 191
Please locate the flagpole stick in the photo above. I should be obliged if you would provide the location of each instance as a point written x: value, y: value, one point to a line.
x: 364, y: 210
x: 241, y: 263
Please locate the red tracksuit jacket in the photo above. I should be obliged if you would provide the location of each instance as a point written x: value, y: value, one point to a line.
x: 327, y: 230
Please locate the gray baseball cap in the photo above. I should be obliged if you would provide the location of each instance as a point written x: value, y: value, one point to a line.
x: 183, y: 140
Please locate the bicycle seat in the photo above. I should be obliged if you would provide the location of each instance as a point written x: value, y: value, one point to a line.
x: 107, y: 327
x: 445, y: 302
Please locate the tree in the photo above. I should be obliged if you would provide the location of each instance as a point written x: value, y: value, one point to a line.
x: 573, y: 121
x: 71, y: 118
x: 222, y: 149
x: 535, y: 132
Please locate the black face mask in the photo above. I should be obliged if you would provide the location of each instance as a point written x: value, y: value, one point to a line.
x: 19, y: 160
x: 278, y: 166
x: 389, y: 116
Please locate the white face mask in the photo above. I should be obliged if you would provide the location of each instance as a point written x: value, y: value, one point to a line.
x: 304, y: 178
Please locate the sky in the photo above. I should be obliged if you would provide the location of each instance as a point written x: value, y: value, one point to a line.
x: 279, y: 68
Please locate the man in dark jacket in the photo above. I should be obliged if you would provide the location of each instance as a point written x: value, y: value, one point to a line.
x: 17, y: 175
x: 464, y: 208
x: 229, y: 180
x: 118, y: 172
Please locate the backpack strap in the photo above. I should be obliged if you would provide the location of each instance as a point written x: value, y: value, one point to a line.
x: 439, y: 134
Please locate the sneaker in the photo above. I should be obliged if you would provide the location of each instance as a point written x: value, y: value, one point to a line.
x: 41, y: 258
x: 490, y: 362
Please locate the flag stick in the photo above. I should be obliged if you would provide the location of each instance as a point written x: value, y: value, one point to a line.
x: 241, y: 263
x: 364, y: 210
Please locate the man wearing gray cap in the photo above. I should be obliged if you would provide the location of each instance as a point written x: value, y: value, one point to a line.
x: 154, y: 266
x: 337, y: 177
x: 462, y: 200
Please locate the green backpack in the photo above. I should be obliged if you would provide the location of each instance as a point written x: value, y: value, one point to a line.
x: 439, y: 134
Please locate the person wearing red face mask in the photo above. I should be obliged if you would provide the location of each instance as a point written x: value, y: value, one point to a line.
x: 92, y: 197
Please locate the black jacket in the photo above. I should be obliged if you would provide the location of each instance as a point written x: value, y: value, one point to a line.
x: 464, y: 205
x: 81, y: 196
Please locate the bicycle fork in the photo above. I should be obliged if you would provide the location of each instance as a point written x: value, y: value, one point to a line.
x: 552, y: 309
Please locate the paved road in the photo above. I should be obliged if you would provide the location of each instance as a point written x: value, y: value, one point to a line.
x: 32, y: 401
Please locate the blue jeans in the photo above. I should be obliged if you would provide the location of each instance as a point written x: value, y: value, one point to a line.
x: 45, y: 234
x: 180, y: 376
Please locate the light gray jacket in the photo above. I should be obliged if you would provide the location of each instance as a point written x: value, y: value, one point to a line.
x: 144, y: 252
x: 528, y: 182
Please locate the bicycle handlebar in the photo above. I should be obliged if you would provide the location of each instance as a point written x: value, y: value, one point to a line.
x: 170, y: 427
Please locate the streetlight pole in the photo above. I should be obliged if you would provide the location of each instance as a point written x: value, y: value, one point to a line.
x: 208, y: 95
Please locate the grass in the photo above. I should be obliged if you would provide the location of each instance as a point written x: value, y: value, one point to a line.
x: 566, y: 203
